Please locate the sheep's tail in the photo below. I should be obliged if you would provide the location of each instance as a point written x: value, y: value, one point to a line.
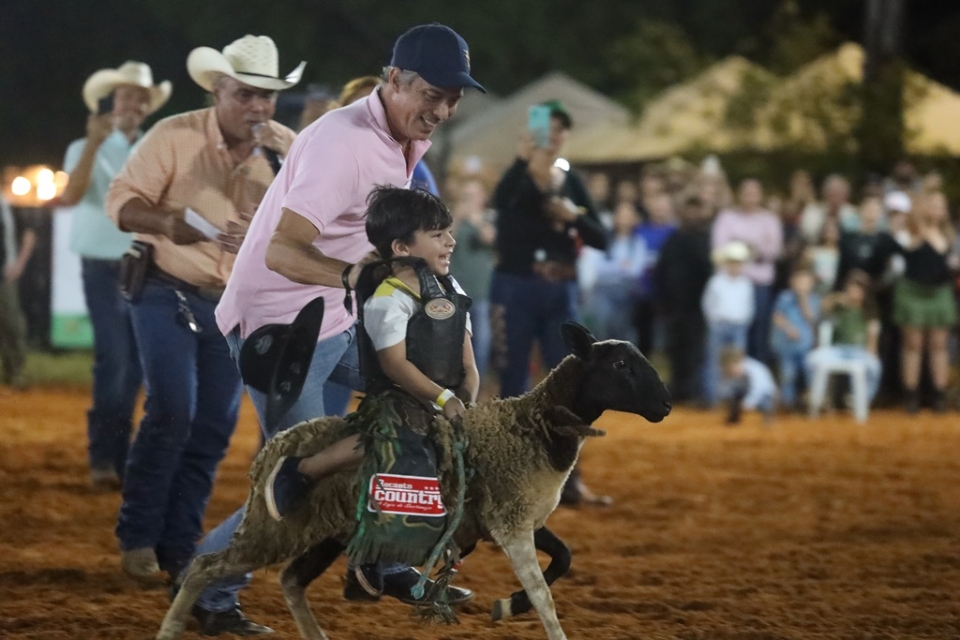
x: 436, y: 608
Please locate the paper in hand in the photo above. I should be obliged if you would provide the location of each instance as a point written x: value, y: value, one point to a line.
x: 199, y: 223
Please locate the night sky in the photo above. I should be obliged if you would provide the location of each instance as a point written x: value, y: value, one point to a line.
x: 49, y: 47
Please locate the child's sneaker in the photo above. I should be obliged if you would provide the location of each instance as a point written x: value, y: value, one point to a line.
x: 363, y: 583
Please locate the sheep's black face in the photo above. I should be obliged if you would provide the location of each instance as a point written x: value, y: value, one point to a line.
x: 616, y: 376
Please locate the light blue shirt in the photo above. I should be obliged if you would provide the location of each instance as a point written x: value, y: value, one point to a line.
x: 728, y: 299
x: 617, y: 268
x: 762, y: 387
x: 789, y: 305
x: 93, y: 233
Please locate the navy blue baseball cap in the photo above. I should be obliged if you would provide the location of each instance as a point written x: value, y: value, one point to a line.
x: 438, y: 54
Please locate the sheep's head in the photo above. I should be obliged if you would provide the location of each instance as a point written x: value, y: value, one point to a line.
x: 615, y: 376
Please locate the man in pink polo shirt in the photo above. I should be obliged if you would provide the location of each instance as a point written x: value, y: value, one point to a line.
x: 309, y: 233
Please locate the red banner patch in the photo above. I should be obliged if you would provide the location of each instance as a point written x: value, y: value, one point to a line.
x: 405, y: 495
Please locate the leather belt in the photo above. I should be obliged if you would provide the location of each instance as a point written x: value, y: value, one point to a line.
x: 210, y: 293
x: 552, y: 271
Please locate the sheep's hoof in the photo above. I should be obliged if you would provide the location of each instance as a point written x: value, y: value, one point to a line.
x: 170, y: 631
x: 501, y: 609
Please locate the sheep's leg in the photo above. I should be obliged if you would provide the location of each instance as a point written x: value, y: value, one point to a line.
x: 201, y: 572
x: 546, y: 541
x: 300, y: 573
x: 523, y: 556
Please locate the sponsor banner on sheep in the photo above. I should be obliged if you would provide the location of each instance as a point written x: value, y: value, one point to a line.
x: 405, y: 495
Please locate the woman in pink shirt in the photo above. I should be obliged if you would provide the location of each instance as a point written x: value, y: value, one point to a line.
x: 761, y: 230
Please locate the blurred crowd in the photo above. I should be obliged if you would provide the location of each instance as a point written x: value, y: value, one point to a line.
x: 751, y: 287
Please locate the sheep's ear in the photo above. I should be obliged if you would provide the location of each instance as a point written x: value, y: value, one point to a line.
x: 577, y: 338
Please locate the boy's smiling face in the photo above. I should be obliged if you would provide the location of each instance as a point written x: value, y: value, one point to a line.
x: 435, y: 247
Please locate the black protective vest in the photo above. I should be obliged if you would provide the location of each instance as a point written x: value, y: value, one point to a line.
x: 435, y: 333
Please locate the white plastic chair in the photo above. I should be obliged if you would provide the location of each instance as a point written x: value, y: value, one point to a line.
x: 856, y: 370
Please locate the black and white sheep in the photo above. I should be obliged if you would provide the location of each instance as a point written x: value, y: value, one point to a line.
x: 521, y: 450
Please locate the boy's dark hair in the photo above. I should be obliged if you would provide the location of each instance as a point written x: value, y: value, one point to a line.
x: 396, y: 214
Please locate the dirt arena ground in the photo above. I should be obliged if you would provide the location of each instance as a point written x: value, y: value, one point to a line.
x: 803, y: 530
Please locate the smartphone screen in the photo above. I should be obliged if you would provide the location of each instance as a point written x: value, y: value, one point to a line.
x: 538, y: 123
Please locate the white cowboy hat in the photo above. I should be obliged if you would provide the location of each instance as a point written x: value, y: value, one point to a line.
x: 252, y: 60
x: 897, y: 201
x: 735, y: 251
x: 103, y: 82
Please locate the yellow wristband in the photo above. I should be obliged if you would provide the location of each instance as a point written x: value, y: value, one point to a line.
x: 444, y: 396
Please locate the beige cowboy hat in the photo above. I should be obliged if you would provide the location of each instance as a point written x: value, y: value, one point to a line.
x: 103, y: 82
x: 735, y: 251
x: 252, y: 60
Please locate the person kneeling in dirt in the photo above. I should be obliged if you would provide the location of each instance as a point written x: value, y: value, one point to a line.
x: 746, y: 384
x: 417, y: 359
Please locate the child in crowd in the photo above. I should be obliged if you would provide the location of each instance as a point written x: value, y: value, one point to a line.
x: 728, y: 307
x: 416, y: 322
x: 855, y: 330
x: 746, y: 384
x: 794, y: 317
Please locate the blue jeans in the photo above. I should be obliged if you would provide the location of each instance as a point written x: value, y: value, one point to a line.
x: 334, y: 360
x: 791, y: 361
x: 480, y: 338
x: 116, y: 366
x: 719, y: 335
x: 193, y: 396
x: 524, y: 309
x: 758, y: 340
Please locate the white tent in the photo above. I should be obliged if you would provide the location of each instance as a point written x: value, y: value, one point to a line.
x: 812, y: 107
x: 687, y: 116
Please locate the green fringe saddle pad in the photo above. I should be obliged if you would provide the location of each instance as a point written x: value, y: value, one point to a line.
x: 400, y: 513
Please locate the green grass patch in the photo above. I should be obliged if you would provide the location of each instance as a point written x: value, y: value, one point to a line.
x: 59, y: 368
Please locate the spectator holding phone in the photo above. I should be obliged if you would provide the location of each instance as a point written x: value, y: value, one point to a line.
x: 543, y: 212
x: 119, y: 100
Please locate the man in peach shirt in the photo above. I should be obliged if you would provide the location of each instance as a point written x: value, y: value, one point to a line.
x: 188, y: 190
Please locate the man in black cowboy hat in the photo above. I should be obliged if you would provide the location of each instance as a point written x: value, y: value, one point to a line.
x: 308, y: 236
